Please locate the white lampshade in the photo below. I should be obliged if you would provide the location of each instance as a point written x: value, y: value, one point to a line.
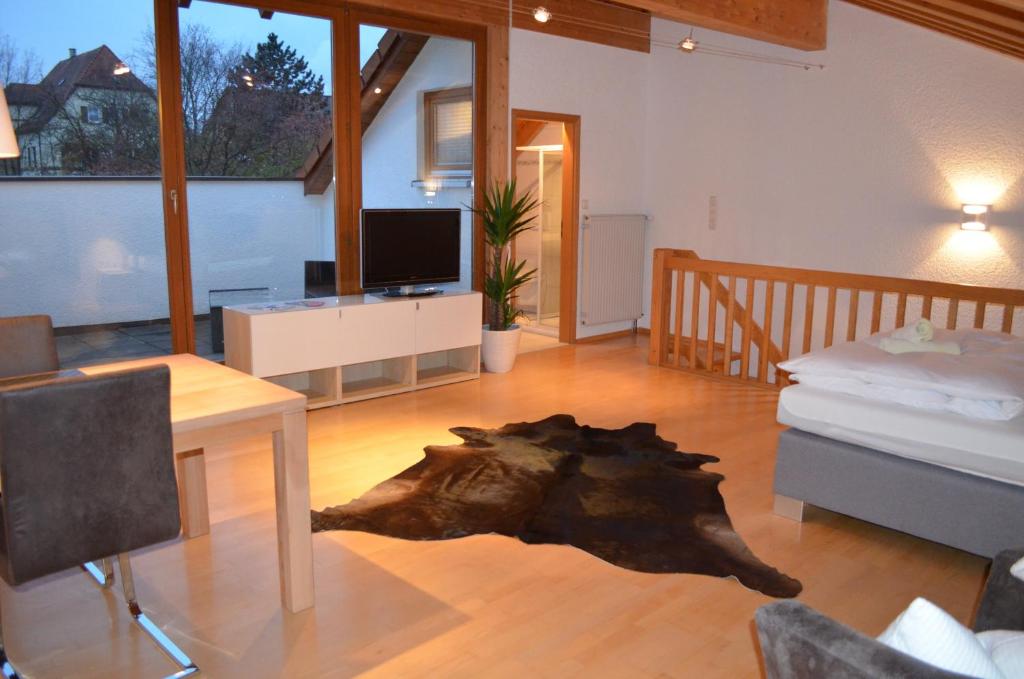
x: 8, y: 143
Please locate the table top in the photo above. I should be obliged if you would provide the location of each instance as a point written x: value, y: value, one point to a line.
x: 206, y: 394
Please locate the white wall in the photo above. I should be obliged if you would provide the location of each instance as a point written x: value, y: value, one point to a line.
x: 89, y: 252
x: 607, y: 87
x: 861, y: 167
x: 392, y: 146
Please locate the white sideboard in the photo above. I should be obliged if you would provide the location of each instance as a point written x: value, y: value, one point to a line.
x: 343, y: 349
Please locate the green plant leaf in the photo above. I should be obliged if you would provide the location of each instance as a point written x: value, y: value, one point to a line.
x: 505, y: 215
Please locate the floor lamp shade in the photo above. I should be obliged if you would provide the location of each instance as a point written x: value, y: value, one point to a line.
x: 8, y: 143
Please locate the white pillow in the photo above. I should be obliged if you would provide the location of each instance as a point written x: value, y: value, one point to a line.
x: 931, y: 635
x: 1006, y: 649
x: 1017, y: 570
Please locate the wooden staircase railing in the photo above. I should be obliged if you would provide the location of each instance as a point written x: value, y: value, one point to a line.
x: 699, y: 323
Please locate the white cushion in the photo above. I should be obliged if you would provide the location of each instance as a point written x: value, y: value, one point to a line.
x: 1017, y: 569
x: 1006, y: 649
x: 931, y: 635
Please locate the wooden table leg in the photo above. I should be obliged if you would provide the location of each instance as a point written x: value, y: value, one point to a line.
x: 294, y: 534
x: 195, y: 511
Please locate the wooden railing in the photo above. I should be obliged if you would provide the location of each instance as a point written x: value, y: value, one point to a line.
x: 739, y: 320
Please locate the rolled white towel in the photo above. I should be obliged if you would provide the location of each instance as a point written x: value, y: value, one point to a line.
x: 902, y: 346
x: 922, y: 331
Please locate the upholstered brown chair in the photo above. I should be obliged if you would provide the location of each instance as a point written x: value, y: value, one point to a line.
x: 86, y: 474
x: 27, y: 346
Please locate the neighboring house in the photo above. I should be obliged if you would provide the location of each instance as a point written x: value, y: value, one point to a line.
x: 80, y: 97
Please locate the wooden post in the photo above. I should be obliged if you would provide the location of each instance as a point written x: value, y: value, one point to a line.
x: 661, y: 290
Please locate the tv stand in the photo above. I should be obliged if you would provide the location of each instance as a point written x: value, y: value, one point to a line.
x: 357, y: 347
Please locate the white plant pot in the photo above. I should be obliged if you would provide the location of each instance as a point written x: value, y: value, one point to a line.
x: 499, y: 348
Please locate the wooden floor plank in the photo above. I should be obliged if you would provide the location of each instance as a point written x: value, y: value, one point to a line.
x: 484, y: 606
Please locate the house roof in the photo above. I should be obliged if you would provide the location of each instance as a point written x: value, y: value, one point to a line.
x: 396, y: 51
x: 93, y: 69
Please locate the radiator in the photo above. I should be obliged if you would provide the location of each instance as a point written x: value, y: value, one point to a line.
x: 613, y: 264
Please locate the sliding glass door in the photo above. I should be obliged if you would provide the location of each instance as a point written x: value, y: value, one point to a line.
x: 81, y: 223
x: 417, y: 118
x: 257, y: 92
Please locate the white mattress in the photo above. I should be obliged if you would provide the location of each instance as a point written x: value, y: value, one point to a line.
x: 993, y: 449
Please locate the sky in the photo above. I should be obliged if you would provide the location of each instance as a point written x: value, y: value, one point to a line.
x: 49, y: 27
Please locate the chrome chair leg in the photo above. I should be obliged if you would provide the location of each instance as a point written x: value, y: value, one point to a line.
x: 188, y: 668
x: 6, y: 668
x: 102, y: 574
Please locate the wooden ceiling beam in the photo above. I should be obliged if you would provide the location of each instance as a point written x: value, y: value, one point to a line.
x: 793, y: 23
x: 995, y: 25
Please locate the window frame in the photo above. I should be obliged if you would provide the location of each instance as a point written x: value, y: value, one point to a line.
x: 431, y: 99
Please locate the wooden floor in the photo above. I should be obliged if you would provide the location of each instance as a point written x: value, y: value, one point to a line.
x: 484, y: 606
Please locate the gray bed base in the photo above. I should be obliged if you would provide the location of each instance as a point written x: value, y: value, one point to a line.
x: 968, y: 512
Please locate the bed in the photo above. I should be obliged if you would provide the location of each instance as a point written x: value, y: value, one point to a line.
x: 927, y: 443
x: 945, y: 477
x: 905, y: 477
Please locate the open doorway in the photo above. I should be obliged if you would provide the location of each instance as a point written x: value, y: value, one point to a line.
x: 546, y: 163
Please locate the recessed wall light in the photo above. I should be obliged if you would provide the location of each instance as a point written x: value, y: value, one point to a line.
x: 542, y: 15
x: 121, y: 68
x: 377, y: 90
x: 974, y: 217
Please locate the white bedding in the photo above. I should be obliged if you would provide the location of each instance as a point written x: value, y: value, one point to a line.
x: 985, y: 381
x: 987, y: 448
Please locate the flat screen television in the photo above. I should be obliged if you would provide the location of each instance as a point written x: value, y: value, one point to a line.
x: 404, y: 248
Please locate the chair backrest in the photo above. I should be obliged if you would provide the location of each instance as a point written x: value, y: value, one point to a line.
x: 798, y: 642
x: 86, y: 470
x: 27, y: 346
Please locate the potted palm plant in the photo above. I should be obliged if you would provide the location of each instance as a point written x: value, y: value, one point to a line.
x: 505, y: 215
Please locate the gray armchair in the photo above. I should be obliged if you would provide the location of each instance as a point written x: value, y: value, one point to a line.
x: 799, y: 643
x: 27, y: 346
x: 86, y: 474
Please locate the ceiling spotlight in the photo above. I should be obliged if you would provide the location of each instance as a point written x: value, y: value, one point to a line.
x: 688, y: 44
x: 121, y: 68
x: 377, y: 90
x: 542, y: 15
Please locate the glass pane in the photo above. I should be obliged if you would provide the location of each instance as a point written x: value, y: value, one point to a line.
x: 417, y: 121
x: 538, y: 159
x: 257, y: 104
x: 81, y: 229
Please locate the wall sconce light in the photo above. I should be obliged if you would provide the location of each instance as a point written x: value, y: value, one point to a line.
x: 542, y: 15
x: 377, y: 90
x: 121, y: 68
x: 974, y: 217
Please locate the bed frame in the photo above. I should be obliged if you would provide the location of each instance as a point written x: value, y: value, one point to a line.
x: 965, y: 511
x: 738, y: 321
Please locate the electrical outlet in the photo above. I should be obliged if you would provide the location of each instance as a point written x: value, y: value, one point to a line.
x: 712, y: 213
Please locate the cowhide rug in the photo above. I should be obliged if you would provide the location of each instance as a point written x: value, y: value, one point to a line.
x: 624, y: 495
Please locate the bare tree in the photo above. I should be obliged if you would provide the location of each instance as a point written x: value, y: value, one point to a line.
x: 18, y: 65
x: 205, y: 67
